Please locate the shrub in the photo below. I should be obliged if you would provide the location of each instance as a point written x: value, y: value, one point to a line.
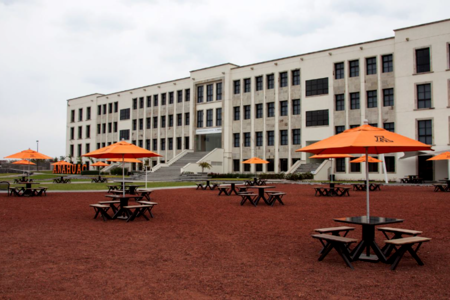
x: 118, y: 171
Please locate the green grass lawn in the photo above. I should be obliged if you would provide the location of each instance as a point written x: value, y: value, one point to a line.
x: 103, y: 186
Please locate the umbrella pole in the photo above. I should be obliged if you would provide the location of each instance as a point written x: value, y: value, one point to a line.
x: 123, y: 174
x: 367, y: 184
x: 332, y: 169
x: 448, y: 167
x: 146, y: 170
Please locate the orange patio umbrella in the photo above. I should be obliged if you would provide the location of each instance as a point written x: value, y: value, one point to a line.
x: 122, y: 150
x: 126, y: 160
x: 99, y: 164
x: 443, y: 156
x: 330, y: 156
x: 365, y: 139
x: 363, y: 159
x: 255, y: 160
x: 23, y: 162
x: 62, y: 163
x: 29, y: 154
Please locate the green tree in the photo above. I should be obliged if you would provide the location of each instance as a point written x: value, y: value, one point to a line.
x: 204, y: 165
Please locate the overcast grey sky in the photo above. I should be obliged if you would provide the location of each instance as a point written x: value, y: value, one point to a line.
x: 54, y: 50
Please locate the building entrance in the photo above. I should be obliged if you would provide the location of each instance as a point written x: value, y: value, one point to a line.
x: 208, y: 142
x: 425, y: 168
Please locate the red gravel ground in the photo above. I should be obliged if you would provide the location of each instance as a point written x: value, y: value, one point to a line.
x: 204, y: 246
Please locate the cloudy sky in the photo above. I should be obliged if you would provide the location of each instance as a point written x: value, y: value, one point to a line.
x: 54, y: 50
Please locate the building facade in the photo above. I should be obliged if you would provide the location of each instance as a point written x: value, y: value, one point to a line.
x: 270, y: 109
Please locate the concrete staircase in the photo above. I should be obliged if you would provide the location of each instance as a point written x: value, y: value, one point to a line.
x: 172, y: 172
x: 304, y: 168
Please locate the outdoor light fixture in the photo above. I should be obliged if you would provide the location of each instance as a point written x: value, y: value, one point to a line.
x: 329, y: 53
x: 360, y: 48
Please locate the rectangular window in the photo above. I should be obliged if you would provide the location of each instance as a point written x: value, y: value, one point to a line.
x: 259, y: 138
x: 79, y: 150
x: 72, y: 115
x: 284, y: 108
x: 339, y: 129
x: 296, y: 77
x: 179, y: 143
x: 371, y: 65
x: 270, y: 138
x: 354, y: 100
x: 80, y: 114
x: 388, y: 64
x: 148, y: 123
x: 340, y: 164
x: 296, y: 137
x: 354, y: 68
x: 187, y: 120
x: 88, y: 131
x: 246, y: 167
x: 219, y: 91
x: 110, y: 108
x: 155, y: 144
x: 163, y: 98
x: 317, y: 118
x: 155, y: 122
x: 99, y: 130
x: 209, y: 93
x: 88, y: 113
x: 179, y: 119
x: 236, y: 140
x: 187, y: 96
x: 259, y: 110
x: 388, y: 97
x: 209, y: 118
x: 355, y: 167
x: 124, y: 134
x: 236, y: 165
x: 155, y: 100
x: 71, y: 150
x: 389, y: 126
x: 270, y: 109
x: 170, y: 141
x: 200, y: 118
x: 317, y: 87
x: 141, y: 102
x: 247, y: 112
x: 340, y: 102
x: 134, y: 124
x: 163, y: 144
x: 104, y: 128
x: 170, y: 97
x: 149, y: 101
x: 170, y: 120
x: 200, y: 94
x: 88, y: 148
x: 339, y: 70
x: 109, y: 127
x: 373, y: 167
x: 423, y: 60
x: 104, y: 109
x: 99, y: 112
x: 236, y: 113
x: 390, y: 164
x: 141, y: 124
x: 259, y: 83
x: 283, y: 137
x: 116, y: 107
x: 283, y: 79
x: 424, y: 95
x: 296, y: 106
x: 425, y: 132
x: 163, y: 121
x: 237, y: 87
x: 80, y: 132
x: 115, y: 126
x: 247, y: 85
x: 372, y: 99
x: 270, y: 81
x: 147, y: 144
x: 247, y: 139
x: 373, y: 124
x: 219, y: 116
x: 354, y: 126
x: 179, y: 96
x: 135, y: 103
x: 125, y: 114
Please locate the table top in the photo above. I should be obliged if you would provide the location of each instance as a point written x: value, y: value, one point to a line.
x: 123, y: 197
x: 261, y: 187
x: 362, y: 220
x: 28, y: 182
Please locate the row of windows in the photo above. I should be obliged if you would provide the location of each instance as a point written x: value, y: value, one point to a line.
x: 209, y: 92
x: 270, y: 82
x: 372, y: 99
x: 161, y: 121
x: 390, y: 126
x: 270, y: 167
x: 371, y: 66
x: 163, y: 142
x: 163, y: 97
x: 209, y: 117
x: 270, y: 136
x: 270, y: 110
x: 107, y: 108
x: 373, y: 167
x: 80, y: 114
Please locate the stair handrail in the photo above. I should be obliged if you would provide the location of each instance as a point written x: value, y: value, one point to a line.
x: 295, y: 166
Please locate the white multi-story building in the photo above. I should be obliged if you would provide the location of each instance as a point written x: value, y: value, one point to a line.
x: 270, y: 109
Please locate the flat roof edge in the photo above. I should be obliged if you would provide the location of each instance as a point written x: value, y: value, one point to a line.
x: 424, y: 24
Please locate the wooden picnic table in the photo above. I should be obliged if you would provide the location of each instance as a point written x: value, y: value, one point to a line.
x: 261, y: 193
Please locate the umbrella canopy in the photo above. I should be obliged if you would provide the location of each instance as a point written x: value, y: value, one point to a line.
x: 363, y: 159
x: 122, y: 150
x: 29, y: 154
x: 126, y: 160
x: 320, y: 156
x: 99, y: 164
x: 255, y: 160
x: 23, y: 162
x: 62, y: 163
x: 365, y: 139
x: 443, y: 156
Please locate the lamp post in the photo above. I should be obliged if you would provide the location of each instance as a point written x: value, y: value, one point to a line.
x: 37, y: 149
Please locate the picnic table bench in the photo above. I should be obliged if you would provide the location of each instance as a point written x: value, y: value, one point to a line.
x: 339, y: 243
x: 406, y: 244
x: 99, y: 179
x: 439, y: 187
x: 248, y: 196
x: 398, y: 234
x: 332, y: 191
x: 134, y: 211
x: 362, y: 186
x: 275, y: 196
x: 337, y: 231
x: 101, y: 209
x: 224, y: 189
